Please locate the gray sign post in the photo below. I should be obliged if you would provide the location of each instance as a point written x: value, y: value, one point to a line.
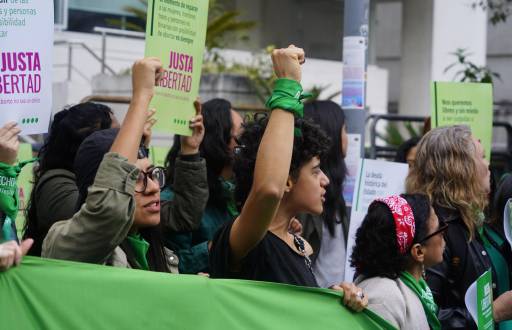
x: 355, y: 54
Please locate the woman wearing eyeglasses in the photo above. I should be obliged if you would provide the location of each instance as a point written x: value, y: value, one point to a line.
x: 119, y: 220
x: 451, y: 169
x: 399, y: 237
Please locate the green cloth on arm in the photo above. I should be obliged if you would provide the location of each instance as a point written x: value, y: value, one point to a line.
x: 56, y: 294
x: 140, y: 249
x: 422, y: 291
x: 288, y: 95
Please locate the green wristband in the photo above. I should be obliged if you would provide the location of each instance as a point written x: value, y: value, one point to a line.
x: 287, y: 96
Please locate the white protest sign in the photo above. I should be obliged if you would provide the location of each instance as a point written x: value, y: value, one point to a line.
x: 352, y: 164
x: 507, y: 226
x: 375, y: 178
x: 26, y: 52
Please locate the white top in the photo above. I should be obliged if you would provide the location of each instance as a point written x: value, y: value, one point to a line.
x: 395, y: 302
x: 329, y: 267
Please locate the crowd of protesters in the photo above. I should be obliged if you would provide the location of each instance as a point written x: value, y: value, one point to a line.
x: 261, y: 199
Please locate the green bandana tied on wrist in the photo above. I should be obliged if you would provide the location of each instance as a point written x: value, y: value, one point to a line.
x: 422, y: 291
x: 9, y: 198
x: 288, y: 95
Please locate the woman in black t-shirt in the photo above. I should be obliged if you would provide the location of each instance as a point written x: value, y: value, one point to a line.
x: 278, y: 175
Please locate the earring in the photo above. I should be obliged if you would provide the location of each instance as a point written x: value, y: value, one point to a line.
x: 423, y: 274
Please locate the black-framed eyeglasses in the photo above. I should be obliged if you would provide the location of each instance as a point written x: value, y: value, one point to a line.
x: 157, y: 174
x: 443, y: 226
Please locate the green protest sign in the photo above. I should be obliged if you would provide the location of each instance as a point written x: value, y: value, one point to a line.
x: 479, y: 300
x: 175, y: 33
x: 54, y: 294
x: 484, y: 299
x: 464, y: 104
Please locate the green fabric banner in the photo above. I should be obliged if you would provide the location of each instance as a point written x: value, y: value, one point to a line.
x: 53, y: 294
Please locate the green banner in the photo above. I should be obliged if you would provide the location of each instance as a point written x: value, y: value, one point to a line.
x: 54, y: 294
x: 175, y: 33
x: 467, y: 104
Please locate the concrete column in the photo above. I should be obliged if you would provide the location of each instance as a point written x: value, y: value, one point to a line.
x: 431, y: 30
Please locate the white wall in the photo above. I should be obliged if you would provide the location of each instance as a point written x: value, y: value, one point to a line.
x: 389, y: 55
x: 456, y: 25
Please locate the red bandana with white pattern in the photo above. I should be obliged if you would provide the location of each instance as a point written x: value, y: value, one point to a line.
x: 404, y: 221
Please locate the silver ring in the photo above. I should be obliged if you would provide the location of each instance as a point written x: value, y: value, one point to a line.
x: 360, y: 295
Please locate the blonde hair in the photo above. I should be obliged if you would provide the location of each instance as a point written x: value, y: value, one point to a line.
x: 445, y: 170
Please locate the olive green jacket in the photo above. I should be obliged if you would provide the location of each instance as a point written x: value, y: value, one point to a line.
x: 95, y: 232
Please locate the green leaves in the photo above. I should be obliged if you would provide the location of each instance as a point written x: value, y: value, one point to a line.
x: 222, y: 26
x: 470, y: 72
x: 499, y: 10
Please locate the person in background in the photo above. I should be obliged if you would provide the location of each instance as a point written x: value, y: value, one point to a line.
x: 327, y: 233
x: 222, y: 126
x: 406, y: 152
x: 55, y: 194
x: 399, y: 237
x: 503, y: 193
x: 451, y: 169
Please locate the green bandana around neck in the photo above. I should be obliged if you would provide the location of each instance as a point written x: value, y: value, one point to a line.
x: 228, y: 188
x: 422, y: 291
x: 140, y: 249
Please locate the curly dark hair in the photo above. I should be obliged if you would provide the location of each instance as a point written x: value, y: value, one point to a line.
x: 375, y: 252
x: 312, y: 142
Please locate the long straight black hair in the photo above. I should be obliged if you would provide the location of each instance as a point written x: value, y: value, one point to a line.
x: 214, y: 149
x: 331, y: 119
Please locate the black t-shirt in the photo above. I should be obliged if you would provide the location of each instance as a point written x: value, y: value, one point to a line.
x: 272, y: 260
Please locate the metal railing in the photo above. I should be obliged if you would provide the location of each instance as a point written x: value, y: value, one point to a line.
x: 501, y: 158
x: 102, y: 57
x: 82, y: 45
x: 114, y: 32
x: 372, y: 121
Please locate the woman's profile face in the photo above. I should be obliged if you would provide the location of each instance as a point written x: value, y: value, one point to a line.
x: 433, y: 246
x: 482, y: 166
